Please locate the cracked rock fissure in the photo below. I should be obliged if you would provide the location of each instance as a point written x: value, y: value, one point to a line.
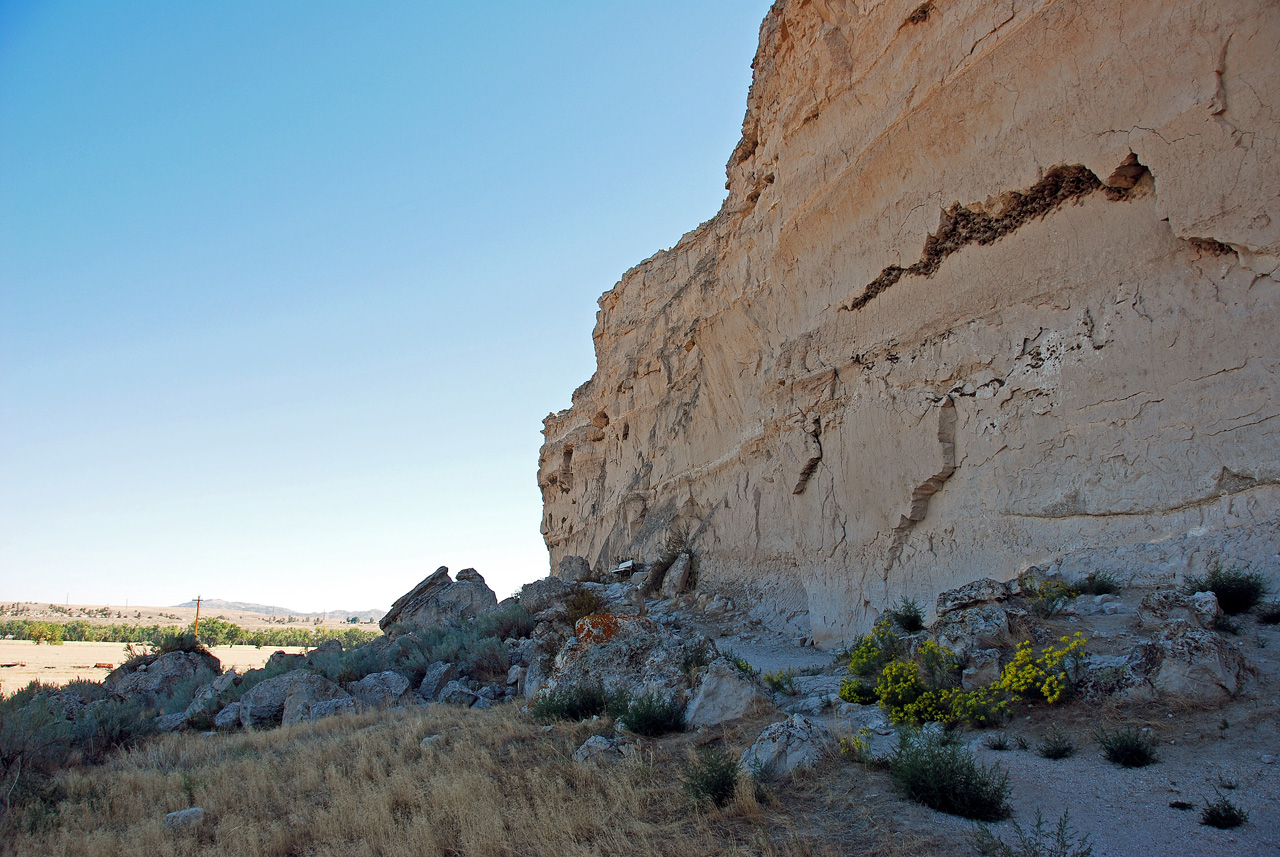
x: 962, y: 226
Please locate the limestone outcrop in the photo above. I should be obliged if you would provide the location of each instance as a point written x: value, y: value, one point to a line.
x: 994, y: 286
x: 441, y: 600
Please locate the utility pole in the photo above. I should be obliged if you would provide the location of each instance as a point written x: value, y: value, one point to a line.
x: 196, y: 632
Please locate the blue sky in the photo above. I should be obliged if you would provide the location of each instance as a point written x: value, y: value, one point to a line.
x: 287, y: 288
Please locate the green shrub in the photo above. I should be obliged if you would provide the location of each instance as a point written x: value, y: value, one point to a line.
x: 486, y: 659
x: 712, y: 777
x: 183, y: 692
x: 1100, y: 583
x: 507, y: 623
x: 1269, y: 613
x: 652, y: 715
x: 783, y: 681
x: 694, y: 658
x: 1056, y: 745
x: 1128, y: 747
x: 578, y: 702
x: 946, y: 777
x: 1223, y: 814
x: 1061, y: 841
x: 583, y: 603
x: 1048, y: 597
x: 997, y: 741
x: 1237, y: 590
x: 857, y: 691
x: 907, y: 615
x: 874, y: 650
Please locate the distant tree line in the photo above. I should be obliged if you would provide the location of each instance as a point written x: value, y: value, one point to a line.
x: 213, y: 632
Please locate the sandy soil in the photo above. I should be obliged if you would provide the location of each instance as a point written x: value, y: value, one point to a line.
x: 141, y: 615
x: 21, y: 661
x: 1126, y: 812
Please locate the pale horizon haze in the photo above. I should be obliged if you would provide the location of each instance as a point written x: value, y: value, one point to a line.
x: 287, y: 288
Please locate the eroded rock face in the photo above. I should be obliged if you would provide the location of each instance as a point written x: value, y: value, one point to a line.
x: 987, y: 292
x: 440, y: 600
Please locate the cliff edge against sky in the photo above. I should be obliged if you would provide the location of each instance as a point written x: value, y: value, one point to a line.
x: 994, y: 287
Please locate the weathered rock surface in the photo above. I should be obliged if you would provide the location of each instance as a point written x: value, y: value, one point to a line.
x: 724, y: 694
x: 286, y: 699
x: 782, y: 748
x: 385, y: 689
x: 1196, y: 664
x: 440, y: 600
x: 155, y: 679
x: 988, y: 291
x: 628, y: 653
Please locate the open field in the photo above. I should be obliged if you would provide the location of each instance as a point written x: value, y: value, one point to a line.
x: 21, y: 661
x: 102, y: 614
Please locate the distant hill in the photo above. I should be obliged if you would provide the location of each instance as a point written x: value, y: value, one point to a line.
x: 270, y: 610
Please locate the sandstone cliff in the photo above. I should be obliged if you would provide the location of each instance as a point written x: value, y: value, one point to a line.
x: 994, y: 286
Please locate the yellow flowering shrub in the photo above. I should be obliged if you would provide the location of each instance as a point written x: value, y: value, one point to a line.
x: 857, y: 746
x: 909, y: 695
x: 1045, y: 677
x: 875, y: 649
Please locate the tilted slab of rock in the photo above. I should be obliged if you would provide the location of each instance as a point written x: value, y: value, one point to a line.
x: 440, y: 600
x: 994, y: 286
x: 724, y: 694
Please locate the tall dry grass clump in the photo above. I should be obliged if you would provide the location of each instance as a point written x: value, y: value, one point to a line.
x: 493, y: 783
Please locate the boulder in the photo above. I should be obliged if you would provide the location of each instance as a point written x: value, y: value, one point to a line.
x: 783, y: 748
x: 456, y: 693
x: 439, y: 600
x: 969, y: 629
x: 574, y: 568
x: 207, y: 698
x: 332, y: 707
x: 1157, y: 609
x: 601, y: 748
x: 676, y: 580
x: 380, y: 690
x: 984, y: 591
x: 630, y: 653
x: 229, y: 717
x: 171, y: 722
x: 469, y: 575
x: 286, y: 698
x: 724, y: 694
x: 542, y: 594
x: 1196, y: 664
x: 156, y: 678
x: 982, y: 669
x: 185, y: 818
x: 438, y: 674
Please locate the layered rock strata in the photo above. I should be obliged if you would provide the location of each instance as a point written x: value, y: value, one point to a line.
x: 994, y: 286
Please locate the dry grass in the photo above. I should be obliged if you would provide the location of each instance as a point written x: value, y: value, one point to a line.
x: 494, y: 784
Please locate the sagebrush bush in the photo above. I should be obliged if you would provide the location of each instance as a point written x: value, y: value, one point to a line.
x: 1237, y: 590
x: 782, y: 681
x: 1128, y: 747
x: 1056, y: 745
x: 1223, y: 814
x: 946, y: 777
x: 486, y: 659
x: 653, y: 715
x: 711, y: 777
x: 583, y: 603
x: 578, y: 702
